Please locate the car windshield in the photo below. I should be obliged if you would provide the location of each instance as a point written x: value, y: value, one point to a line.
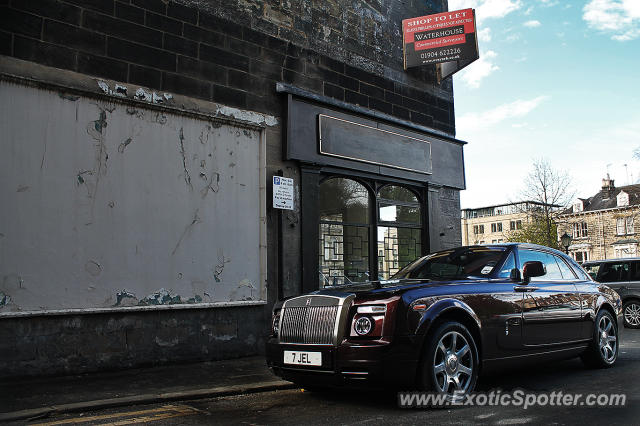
x: 458, y: 263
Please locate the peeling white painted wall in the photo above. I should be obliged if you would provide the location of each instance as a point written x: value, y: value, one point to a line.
x: 108, y: 205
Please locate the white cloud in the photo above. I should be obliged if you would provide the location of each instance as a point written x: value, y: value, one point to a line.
x: 619, y: 18
x: 484, y: 34
x: 549, y: 3
x: 512, y: 37
x: 486, y: 9
x: 532, y: 24
x: 480, y: 69
x: 627, y: 36
x: 468, y: 123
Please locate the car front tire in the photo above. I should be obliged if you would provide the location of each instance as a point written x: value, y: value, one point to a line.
x: 603, y: 349
x: 450, y: 361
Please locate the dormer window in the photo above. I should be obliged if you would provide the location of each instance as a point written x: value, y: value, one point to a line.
x: 622, y: 199
x: 578, y: 206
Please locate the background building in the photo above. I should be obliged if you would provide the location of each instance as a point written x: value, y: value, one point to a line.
x: 490, y: 225
x: 140, y: 142
x: 604, y: 225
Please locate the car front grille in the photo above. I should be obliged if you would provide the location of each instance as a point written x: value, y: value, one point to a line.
x: 309, y: 324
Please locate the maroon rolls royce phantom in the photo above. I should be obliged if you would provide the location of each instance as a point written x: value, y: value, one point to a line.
x: 441, y: 320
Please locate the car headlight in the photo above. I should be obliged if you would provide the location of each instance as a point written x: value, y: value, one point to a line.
x: 372, y: 309
x: 363, y: 325
x: 275, y: 324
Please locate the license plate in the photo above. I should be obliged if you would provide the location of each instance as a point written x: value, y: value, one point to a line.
x: 303, y: 358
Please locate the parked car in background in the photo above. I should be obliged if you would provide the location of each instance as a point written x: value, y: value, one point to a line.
x: 445, y: 317
x: 622, y: 275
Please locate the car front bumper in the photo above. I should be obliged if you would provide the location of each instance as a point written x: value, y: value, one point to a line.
x: 352, y: 363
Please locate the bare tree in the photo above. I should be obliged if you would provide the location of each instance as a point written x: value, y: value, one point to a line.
x: 551, y: 190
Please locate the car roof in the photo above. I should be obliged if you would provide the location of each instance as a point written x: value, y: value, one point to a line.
x: 523, y: 245
x: 621, y: 259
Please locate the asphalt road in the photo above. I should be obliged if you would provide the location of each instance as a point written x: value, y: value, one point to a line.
x: 381, y: 407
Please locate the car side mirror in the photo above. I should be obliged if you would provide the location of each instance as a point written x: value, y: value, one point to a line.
x: 533, y: 268
x: 515, y: 275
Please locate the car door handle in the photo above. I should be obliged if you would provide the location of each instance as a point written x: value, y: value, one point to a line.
x: 513, y: 321
x: 524, y: 288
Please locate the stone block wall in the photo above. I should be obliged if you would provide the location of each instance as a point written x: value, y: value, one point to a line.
x: 234, y: 52
x: 60, y: 344
x: 602, y: 230
x: 231, y: 53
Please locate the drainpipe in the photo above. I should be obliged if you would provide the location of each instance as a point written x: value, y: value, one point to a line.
x: 603, y: 243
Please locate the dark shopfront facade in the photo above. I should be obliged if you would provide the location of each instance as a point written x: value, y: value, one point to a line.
x: 141, y: 140
x: 370, y: 185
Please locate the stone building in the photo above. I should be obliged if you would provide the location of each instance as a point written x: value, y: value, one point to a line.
x: 492, y: 224
x: 142, y: 140
x: 603, y: 226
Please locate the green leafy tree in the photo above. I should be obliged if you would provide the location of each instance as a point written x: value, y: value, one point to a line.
x: 536, y: 232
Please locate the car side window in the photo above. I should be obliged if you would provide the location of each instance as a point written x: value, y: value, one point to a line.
x: 566, y: 271
x: 611, y: 272
x: 635, y: 271
x: 592, y: 270
x: 509, y: 264
x: 548, y: 260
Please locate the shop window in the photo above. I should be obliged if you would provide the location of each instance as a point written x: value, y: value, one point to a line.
x: 349, y: 222
x: 344, y: 232
x: 399, y: 229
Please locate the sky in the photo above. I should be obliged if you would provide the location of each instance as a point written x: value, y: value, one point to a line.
x: 556, y: 80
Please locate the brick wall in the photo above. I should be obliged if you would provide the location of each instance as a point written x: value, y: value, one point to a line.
x: 235, y: 58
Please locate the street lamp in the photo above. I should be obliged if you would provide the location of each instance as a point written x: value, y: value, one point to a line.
x: 565, y: 240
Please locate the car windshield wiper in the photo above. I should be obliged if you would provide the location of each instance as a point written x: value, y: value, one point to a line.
x: 361, y: 284
x: 392, y: 281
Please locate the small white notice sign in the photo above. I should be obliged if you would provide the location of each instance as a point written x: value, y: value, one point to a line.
x: 282, y: 193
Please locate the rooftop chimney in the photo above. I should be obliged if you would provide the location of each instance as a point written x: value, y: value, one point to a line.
x: 608, y: 187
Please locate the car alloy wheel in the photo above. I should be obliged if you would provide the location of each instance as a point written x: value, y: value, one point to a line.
x: 631, y: 311
x: 453, y: 363
x: 608, y: 341
x: 450, y: 361
x: 603, y: 350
